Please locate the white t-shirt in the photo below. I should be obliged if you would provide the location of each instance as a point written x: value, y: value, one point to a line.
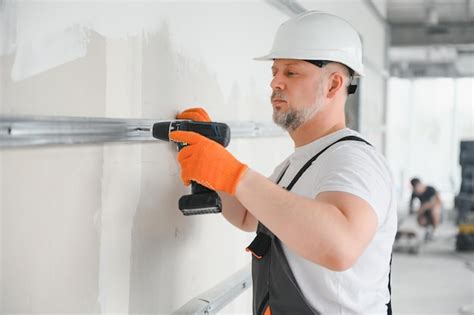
x: 353, y: 167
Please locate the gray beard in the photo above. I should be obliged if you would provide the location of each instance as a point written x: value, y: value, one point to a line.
x: 292, y: 119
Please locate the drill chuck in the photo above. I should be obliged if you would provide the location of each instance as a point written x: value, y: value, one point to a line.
x: 161, y: 130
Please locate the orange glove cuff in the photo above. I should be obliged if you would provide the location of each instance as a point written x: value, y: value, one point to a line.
x: 195, y: 114
x: 207, y: 162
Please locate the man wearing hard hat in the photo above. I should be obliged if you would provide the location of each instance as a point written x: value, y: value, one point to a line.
x: 326, y: 219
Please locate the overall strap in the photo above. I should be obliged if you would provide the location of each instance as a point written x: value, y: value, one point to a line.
x: 389, y: 304
x: 308, y: 164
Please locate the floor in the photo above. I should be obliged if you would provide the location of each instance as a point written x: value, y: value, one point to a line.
x: 436, y: 280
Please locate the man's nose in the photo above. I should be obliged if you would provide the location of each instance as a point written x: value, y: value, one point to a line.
x: 277, y: 82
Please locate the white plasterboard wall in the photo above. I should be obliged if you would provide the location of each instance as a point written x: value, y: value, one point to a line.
x: 96, y: 228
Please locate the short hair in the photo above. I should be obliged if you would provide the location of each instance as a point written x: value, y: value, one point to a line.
x: 415, y: 181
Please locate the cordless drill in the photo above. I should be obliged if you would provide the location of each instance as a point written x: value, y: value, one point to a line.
x: 202, y: 200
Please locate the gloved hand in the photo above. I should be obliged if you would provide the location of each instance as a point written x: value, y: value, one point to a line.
x: 207, y: 162
x: 195, y: 114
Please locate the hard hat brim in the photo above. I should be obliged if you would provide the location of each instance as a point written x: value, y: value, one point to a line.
x: 273, y: 56
x: 265, y: 58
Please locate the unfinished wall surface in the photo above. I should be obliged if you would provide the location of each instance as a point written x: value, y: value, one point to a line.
x: 95, y: 228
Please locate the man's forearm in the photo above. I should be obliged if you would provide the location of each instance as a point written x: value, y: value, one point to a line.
x: 316, y: 230
x: 236, y: 213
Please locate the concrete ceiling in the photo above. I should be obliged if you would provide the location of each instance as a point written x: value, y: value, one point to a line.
x: 431, y: 38
x: 428, y: 38
x: 418, y: 11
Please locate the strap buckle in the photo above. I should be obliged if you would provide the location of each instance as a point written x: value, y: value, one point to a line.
x: 260, y: 245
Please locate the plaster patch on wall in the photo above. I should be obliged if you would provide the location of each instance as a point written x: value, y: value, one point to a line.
x: 2, y: 30
x: 32, y: 25
x: 48, y: 34
x: 48, y: 51
x: 76, y: 88
x: 7, y: 22
x: 2, y: 78
x: 121, y: 178
x: 120, y: 194
x: 173, y: 81
x: 173, y: 257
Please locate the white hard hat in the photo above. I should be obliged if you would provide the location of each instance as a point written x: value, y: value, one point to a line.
x: 315, y: 35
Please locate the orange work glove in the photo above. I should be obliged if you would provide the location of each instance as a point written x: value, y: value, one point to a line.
x: 207, y: 162
x: 195, y: 114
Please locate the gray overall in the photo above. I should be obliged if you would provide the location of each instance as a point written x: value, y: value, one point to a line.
x: 275, y: 290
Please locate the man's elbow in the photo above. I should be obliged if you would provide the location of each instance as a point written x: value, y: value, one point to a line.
x: 248, y: 228
x: 339, y: 261
x: 342, y: 263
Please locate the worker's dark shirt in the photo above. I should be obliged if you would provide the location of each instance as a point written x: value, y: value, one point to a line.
x: 424, y: 197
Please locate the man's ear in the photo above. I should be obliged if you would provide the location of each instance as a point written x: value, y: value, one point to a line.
x: 335, y: 83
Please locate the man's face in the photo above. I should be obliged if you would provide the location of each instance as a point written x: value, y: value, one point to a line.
x: 298, y: 92
x: 418, y: 189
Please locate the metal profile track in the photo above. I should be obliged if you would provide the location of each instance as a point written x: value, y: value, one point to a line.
x: 27, y: 131
x: 216, y: 298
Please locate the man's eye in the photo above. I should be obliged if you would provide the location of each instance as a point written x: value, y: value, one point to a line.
x: 290, y: 73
